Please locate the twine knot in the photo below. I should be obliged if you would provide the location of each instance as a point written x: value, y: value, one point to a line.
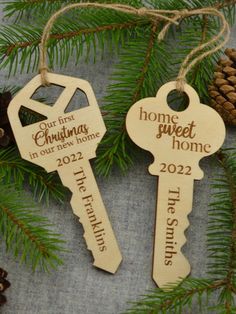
x: 142, y: 11
x: 184, y: 12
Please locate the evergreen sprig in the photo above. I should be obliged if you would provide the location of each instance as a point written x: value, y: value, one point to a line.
x: 222, y: 229
x: 188, y: 295
x: 221, y: 243
x: 26, y: 233
x: 14, y: 169
x: 142, y: 61
x: 89, y: 35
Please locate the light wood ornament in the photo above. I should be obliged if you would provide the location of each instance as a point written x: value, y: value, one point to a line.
x: 66, y: 142
x: 177, y: 140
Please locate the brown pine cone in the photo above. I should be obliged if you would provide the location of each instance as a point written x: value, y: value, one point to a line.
x: 6, y: 135
x: 223, y: 89
x: 4, y: 284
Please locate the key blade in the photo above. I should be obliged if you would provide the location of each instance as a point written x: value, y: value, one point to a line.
x: 87, y: 204
x: 174, y: 203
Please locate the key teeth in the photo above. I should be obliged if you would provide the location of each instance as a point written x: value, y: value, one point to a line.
x: 109, y: 267
x: 188, y: 267
x: 184, y: 230
x: 182, y: 266
x: 82, y: 223
x: 87, y: 242
x: 110, y: 264
x: 181, y: 269
x: 85, y: 233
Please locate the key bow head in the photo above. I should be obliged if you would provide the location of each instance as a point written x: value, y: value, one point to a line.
x: 61, y: 135
x: 176, y: 139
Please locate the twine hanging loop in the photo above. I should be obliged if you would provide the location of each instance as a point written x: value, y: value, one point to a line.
x: 168, y: 16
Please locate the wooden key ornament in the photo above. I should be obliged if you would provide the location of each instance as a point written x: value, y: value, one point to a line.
x: 177, y: 140
x: 66, y: 142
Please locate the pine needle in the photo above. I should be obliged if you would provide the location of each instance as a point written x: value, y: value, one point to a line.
x: 26, y: 233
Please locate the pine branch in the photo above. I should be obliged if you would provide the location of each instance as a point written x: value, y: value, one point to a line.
x: 222, y: 226
x: 69, y: 35
x: 14, y: 169
x: 184, y: 296
x: 19, y: 47
x: 137, y: 76
x: 26, y: 233
x: 222, y: 229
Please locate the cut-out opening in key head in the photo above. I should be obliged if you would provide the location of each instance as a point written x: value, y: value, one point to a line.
x: 166, y: 92
x: 178, y: 101
x: 28, y: 116
x: 78, y: 101
x: 49, y: 95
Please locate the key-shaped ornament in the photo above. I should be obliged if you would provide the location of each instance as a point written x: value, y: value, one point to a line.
x: 66, y: 142
x: 177, y: 140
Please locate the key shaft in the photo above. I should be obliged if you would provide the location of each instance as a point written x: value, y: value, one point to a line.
x: 177, y: 141
x: 87, y: 204
x: 174, y: 203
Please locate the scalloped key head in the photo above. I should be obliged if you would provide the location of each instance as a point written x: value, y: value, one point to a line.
x: 177, y: 140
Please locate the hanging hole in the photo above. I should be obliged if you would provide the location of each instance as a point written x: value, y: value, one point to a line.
x: 48, y: 95
x: 78, y: 101
x: 178, y: 101
x: 28, y: 117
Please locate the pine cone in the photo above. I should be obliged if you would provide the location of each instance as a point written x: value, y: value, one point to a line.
x: 4, y: 284
x: 6, y: 135
x: 223, y: 88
